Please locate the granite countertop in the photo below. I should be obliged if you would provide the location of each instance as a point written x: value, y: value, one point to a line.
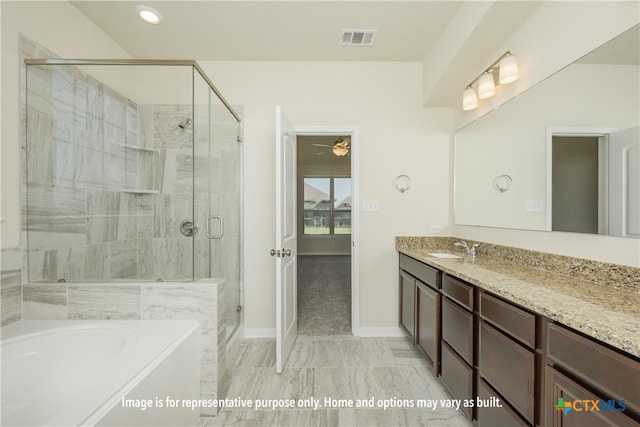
x: 603, y: 312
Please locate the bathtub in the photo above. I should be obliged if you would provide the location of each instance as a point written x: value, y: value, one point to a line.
x: 86, y: 373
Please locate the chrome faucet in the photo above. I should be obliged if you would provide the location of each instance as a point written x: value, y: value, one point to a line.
x: 469, y: 250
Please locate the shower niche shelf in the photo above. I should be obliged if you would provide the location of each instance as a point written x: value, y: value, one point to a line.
x: 139, y: 191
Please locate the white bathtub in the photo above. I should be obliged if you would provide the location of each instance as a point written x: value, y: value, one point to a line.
x: 76, y: 373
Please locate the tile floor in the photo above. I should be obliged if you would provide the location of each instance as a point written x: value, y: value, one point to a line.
x: 348, y: 368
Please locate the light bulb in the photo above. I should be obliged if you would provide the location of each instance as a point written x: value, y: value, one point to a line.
x: 486, y: 86
x: 508, y: 69
x: 149, y: 15
x: 469, y: 99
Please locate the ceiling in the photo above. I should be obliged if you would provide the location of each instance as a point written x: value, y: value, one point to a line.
x: 468, y: 32
x: 274, y: 30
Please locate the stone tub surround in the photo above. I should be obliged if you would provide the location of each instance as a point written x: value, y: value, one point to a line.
x: 602, y: 311
x: 202, y: 301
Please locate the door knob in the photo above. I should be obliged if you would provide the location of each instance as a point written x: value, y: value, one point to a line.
x: 286, y: 252
x: 274, y: 253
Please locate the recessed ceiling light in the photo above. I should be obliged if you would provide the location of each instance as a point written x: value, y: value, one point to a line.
x: 148, y: 14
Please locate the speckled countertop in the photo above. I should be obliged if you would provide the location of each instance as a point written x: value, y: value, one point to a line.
x: 603, y: 312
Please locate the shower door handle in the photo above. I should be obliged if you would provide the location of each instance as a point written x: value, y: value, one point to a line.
x: 221, y: 233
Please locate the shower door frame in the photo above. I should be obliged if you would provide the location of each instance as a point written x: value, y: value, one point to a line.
x: 138, y: 62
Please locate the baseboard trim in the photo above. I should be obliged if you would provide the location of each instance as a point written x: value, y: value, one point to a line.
x: 259, y: 332
x: 324, y: 253
x: 393, y: 332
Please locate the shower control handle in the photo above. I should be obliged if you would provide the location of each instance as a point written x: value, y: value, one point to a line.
x: 188, y: 228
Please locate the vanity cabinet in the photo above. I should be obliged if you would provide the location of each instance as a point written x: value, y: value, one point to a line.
x: 485, y: 346
x: 420, y: 306
x: 507, y: 356
x: 458, y: 339
x: 579, y: 368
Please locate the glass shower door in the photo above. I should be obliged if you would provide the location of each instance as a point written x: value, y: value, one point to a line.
x: 217, y: 180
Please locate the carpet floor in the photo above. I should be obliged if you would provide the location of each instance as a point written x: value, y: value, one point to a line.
x: 324, y: 295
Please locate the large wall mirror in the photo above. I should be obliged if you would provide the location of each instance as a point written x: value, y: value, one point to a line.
x: 563, y: 155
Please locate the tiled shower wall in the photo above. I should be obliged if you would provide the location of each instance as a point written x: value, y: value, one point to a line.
x: 11, y: 285
x: 109, y: 182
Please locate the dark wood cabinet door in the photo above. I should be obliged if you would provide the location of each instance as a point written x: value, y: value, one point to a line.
x: 428, y: 334
x: 407, y: 302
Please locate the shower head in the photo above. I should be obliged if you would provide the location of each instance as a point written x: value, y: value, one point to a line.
x: 184, y: 124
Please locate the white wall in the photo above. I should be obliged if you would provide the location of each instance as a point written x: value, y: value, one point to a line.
x: 397, y: 136
x: 555, y: 36
x: 62, y: 29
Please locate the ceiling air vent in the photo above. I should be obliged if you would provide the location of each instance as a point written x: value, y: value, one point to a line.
x: 357, y: 37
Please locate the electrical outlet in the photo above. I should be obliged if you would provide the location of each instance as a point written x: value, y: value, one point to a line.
x: 435, y: 229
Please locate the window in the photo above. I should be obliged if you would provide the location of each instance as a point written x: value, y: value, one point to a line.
x: 327, y: 206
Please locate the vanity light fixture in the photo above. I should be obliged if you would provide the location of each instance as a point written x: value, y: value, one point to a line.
x: 149, y: 14
x: 507, y: 68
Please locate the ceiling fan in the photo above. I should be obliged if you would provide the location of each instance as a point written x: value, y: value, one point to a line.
x: 339, y: 148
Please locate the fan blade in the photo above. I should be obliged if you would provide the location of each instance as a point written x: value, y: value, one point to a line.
x: 322, y: 145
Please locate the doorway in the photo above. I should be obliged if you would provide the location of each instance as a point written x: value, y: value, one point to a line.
x: 324, y: 230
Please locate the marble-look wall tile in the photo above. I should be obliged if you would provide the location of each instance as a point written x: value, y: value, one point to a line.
x: 167, y: 133
x: 11, y: 295
x: 104, y: 301
x: 167, y: 259
x: 123, y: 260
x: 41, y: 152
x: 198, y: 301
x: 44, y: 301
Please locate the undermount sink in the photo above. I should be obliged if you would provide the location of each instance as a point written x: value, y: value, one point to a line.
x: 443, y: 255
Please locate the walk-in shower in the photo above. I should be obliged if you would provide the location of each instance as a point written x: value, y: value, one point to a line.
x: 133, y: 173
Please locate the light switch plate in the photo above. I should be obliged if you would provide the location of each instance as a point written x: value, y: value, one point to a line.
x: 534, y: 206
x: 370, y: 205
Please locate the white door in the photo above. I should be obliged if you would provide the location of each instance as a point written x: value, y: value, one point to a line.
x: 624, y: 189
x: 286, y: 249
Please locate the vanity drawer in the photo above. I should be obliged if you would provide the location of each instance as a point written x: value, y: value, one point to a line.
x: 458, y: 290
x: 515, y: 321
x: 509, y: 368
x: 419, y: 270
x: 457, y: 376
x: 614, y: 374
x: 502, y: 416
x: 457, y: 329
